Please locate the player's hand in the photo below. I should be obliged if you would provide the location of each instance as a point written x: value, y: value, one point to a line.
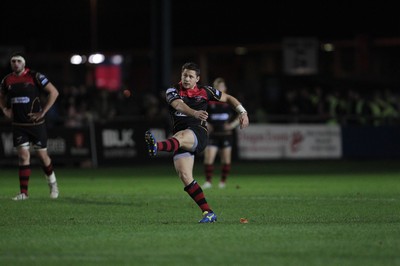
x: 36, y: 116
x: 244, y: 120
x: 201, y: 115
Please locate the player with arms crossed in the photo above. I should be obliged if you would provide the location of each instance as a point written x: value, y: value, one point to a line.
x: 20, y: 93
x: 188, y: 103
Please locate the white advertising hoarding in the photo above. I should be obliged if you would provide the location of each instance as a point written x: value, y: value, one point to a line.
x: 264, y: 141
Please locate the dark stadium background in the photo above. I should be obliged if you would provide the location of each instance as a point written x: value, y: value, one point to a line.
x: 240, y: 41
x: 67, y: 25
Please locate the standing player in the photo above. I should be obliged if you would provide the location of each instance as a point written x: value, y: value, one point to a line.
x: 188, y: 103
x: 221, y: 122
x: 20, y: 95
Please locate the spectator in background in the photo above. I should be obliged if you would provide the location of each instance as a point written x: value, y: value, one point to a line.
x: 222, y: 120
x: 75, y: 102
x: 20, y: 93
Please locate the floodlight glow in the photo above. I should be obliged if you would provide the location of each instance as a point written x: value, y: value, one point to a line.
x: 117, y: 59
x: 96, y: 58
x: 328, y: 47
x: 76, y: 59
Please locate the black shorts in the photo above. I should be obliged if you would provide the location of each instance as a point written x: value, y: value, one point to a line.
x: 36, y: 135
x: 202, y: 140
x: 220, y: 141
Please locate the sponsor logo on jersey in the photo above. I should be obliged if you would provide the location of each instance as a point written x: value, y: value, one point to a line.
x: 20, y: 100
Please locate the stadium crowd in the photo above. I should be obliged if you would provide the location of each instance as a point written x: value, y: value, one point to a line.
x: 303, y: 104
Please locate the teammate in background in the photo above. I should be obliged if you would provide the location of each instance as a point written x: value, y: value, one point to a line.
x: 188, y: 103
x: 221, y: 123
x: 20, y: 94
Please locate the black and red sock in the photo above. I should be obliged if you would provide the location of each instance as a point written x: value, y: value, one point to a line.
x: 208, y: 171
x: 48, y: 170
x: 171, y: 144
x: 196, y: 193
x: 226, y: 169
x: 24, y: 174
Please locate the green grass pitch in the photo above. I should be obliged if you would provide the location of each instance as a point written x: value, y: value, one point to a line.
x: 299, y: 213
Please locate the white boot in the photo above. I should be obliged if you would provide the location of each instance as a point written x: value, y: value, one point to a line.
x: 51, y: 180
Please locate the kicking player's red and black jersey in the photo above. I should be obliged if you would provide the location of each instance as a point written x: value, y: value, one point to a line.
x: 23, y: 94
x: 196, y: 98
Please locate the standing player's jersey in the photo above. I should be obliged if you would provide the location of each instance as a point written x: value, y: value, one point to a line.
x: 220, y: 113
x: 23, y: 94
x: 196, y: 98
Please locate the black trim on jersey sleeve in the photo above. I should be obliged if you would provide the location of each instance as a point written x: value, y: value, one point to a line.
x: 4, y: 91
x: 213, y: 92
x: 40, y: 79
x: 172, y: 95
x: 4, y: 83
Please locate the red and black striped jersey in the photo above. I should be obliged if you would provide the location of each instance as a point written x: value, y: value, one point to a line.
x: 23, y: 94
x: 196, y: 98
